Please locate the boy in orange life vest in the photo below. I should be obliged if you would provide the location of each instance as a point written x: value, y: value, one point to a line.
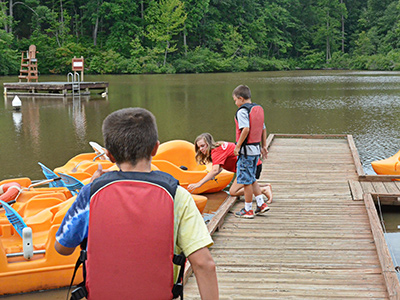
x: 138, y: 219
x: 250, y: 132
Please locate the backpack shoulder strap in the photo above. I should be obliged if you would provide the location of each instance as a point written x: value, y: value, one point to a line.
x: 177, y: 289
x: 80, y: 292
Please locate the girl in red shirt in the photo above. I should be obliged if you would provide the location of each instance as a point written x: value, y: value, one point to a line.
x: 221, y: 155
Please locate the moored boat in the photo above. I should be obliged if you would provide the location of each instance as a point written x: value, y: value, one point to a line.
x: 42, y: 210
x: 388, y: 166
x: 82, y: 167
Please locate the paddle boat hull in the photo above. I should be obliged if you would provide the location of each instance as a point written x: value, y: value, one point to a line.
x: 42, y: 210
x: 388, y: 166
x: 177, y: 158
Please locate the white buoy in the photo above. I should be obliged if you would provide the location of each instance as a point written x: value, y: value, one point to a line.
x: 16, y: 103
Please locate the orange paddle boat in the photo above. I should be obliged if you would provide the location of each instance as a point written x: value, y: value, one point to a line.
x: 388, y: 166
x: 42, y: 210
x: 177, y: 158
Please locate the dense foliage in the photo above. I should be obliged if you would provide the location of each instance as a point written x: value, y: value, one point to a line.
x: 169, y: 36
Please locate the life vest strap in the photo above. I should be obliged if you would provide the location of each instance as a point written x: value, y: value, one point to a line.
x: 177, y: 290
x: 80, y: 292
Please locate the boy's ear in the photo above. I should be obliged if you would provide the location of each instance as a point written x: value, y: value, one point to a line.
x: 112, y: 159
x: 154, y: 151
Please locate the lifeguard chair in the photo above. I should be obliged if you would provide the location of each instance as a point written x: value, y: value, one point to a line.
x: 29, y: 68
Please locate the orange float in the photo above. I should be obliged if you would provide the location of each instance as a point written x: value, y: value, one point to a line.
x: 9, y: 191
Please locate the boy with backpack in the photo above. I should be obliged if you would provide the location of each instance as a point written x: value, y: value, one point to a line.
x: 250, y: 132
x: 135, y: 220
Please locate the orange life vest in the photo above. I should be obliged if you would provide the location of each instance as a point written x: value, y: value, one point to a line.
x: 256, y: 119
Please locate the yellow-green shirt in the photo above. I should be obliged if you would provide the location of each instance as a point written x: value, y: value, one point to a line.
x: 190, y: 231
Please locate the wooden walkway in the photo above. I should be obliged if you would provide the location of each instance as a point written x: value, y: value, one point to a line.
x: 315, y: 242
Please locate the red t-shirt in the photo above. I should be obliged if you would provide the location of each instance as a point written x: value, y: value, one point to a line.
x: 224, y: 156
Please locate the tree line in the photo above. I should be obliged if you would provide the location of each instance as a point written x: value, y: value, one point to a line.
x: 179, y: 36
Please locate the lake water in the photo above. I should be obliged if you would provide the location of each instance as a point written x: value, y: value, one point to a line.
x: 363, y: 104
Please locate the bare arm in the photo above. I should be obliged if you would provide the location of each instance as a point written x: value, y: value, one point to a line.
x: 242, y: 137
x: 206, y: 276
x: 216, y: 169
x: 63, y: 250
x: 264, y: 150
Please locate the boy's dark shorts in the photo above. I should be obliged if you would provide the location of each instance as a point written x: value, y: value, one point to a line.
x: 258, y: 171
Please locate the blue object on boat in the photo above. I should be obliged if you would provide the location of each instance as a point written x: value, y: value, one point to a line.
x: 14, y: 218
x: 71, y: 183
x: 51, y: 175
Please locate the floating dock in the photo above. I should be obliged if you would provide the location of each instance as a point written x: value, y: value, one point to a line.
x: 52, y: 89
x: 317, y: 241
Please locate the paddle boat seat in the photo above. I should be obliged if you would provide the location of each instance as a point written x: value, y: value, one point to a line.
x: 49, y: 174
x: 71, y: 183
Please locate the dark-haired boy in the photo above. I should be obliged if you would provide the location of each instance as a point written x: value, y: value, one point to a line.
x: 130, y: 220
x: 250, y: 132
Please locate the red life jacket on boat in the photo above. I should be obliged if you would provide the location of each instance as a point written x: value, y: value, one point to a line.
x: 256, y: 119
x: 130, y: 246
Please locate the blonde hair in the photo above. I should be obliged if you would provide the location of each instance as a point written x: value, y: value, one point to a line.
x: 201, y: 158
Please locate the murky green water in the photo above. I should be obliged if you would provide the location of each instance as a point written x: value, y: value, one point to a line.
x: 364, y: 104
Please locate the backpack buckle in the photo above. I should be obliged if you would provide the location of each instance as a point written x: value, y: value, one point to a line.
x: 79, y: 293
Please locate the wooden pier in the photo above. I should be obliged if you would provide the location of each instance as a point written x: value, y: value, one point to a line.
x: 316, y: 242
x: 52, y: 89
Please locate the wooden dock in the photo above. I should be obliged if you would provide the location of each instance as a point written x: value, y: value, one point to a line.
x: 51, y: 89
x: 316, y: 242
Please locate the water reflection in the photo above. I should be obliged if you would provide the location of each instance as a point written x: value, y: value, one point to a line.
x: 17, y: 118
x: 79, y: 119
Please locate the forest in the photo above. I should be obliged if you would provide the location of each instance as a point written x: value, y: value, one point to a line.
x: 195, y: 36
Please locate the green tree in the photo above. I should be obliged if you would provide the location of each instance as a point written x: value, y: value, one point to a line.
x: 196, y: 10
x: 8, y: 57
x: 329, y: 14
x: 120, y: 24
x: 165, y: 20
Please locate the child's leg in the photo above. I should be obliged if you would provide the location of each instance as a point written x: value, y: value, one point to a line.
x: 261, y: 207
x: 256, y: 189
x: 265, y: 187
x: 248, y: 193
x: 236, y: 189
x: 267, y: 191
x: 245, y: 176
